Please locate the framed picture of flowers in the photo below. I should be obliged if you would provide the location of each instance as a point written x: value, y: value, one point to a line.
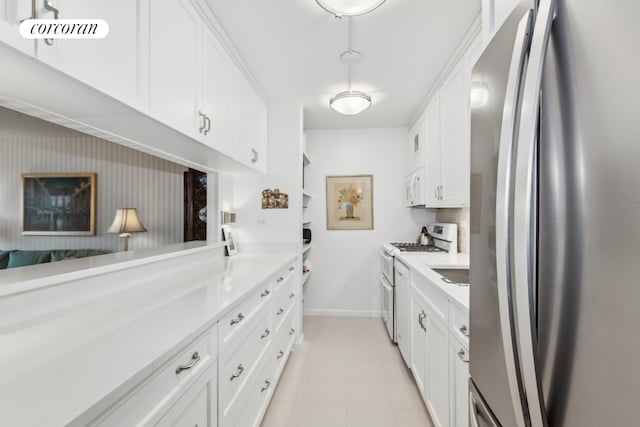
x: 350, y: 202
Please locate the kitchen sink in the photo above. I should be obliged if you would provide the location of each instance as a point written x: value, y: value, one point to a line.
x: 454, y: 276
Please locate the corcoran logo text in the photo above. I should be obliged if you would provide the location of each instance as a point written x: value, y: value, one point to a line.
x: 64, y: 29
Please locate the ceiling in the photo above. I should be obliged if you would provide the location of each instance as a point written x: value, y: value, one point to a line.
x: 293, y: 49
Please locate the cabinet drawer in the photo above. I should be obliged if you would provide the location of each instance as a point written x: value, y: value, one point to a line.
x: 234, y: 322
x: 282, y: 308
x: 241, y: 358
x: 459, y: 323
x: 152, y: 398
x: 437, y: 302
x: 283, y: 343
x: 284, y: 276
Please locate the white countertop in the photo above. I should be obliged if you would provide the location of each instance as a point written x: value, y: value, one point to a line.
x: 424, y: 262
x: 64, y: 363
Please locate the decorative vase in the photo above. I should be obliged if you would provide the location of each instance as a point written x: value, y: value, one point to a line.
x: 348, y: 207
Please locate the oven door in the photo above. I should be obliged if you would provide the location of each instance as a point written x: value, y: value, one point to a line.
x: 387, y: 306
x: 386, y: 266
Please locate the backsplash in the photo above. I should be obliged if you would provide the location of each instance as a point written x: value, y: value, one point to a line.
x: 458, y: 216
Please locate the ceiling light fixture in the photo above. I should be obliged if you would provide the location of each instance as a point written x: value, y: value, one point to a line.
x: 342, y: 8
x: 350, y: 102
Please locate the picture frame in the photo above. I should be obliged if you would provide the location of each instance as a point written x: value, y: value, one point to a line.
x: 58, y: 204
x: 230, y: 243
x: 349, y: 202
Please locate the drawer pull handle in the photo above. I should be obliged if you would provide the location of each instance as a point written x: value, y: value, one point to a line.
x: 265, y: 334
x: 280, y: 312
x: 237, y: 373
x: 265, y: 293
x: 266, y: 387
x: 291, y: 332
x: 291, y: 295
x: 280, y: 279
x: 280, y: 354
x: 462, y: 354
x: 195, y: 358
x: 238, y: 319
x: 291, y: 268
x: 464, y: 330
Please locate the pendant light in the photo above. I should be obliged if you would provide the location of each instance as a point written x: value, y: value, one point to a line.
x: 350, y: 102
x: 342, y: 8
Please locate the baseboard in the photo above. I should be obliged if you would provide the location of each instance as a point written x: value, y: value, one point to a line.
x: 342, y: 313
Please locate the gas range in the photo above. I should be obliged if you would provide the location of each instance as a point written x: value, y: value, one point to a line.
x: 416, y: 247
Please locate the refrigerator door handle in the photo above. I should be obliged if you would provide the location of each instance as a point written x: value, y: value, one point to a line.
x: 524, y: 252
x: 503, y: 203
x: 477, y: 410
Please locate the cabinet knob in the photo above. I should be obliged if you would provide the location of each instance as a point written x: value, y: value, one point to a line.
x: 280, y: 311
x: 254, y: 156
x: 280, y: 354
x: 207, y: 121
x: 280, y: 279
x: 204, y: 121
x: 266, y: 387
x: 265, y: 334
x: 291, y: 268
x: 265, y: 293
x: 291, y: 295
x: 464, y: 330
x: 463, y: 355
x: 49, y: 6
x: 291, y: 332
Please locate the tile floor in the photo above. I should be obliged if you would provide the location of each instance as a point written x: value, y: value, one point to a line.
x: 347, y: 374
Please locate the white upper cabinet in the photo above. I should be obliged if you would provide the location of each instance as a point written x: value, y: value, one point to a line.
x: 12, y: 12
x: 175, y: 70
x: 217, y: 75
x: 444, y: 144
x: 415, y: 143
x: 117, y: 64
x: 432, y: 153
x: 249, y: 125
x: 455, y: 138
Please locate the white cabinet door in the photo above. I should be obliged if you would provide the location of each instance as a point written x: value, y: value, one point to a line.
x: 249, y: 125
x: 432, y: 152
x: 418, y: 343
x: 198, y: 405
x: 217, y: 75
x: 12, y: 12
x: 437, y: 385
x: 459, y: 361
x: 454, y: 120
x: 415, y: 143
x: 116, y: 64
x: 175, y: 65
x: 403, y: 307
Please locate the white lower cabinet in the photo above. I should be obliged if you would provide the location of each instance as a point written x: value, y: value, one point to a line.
x: 198, y: 406
x: 436, y: 391
x: 439, y: 353
x: 403, y: 307
x: 459, y: 393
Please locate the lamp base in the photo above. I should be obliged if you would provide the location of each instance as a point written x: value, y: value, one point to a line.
x: 126, y: 237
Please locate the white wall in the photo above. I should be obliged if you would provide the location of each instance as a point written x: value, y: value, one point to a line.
x: 125, y: 178
x: 346, y: 267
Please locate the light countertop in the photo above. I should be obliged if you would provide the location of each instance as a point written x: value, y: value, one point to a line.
x: 61, y: 360
x: 423, y: 263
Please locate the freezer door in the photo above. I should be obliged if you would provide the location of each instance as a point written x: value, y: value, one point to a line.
x: 589, y: 208
x: 494, y: 360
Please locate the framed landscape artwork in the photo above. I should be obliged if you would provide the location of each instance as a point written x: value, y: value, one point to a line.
x: 60, y: 204
x: 350, y: 202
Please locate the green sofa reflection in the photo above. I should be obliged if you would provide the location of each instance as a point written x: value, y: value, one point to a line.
x: 17, y: 258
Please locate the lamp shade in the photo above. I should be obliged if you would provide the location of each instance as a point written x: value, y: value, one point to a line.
x: 350, y: 103
x: 349, y: 7
x: 126, y: 221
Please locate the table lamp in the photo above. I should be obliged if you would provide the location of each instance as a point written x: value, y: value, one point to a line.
x: 125, y: 223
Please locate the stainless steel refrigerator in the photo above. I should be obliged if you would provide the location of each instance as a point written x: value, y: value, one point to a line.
x: 555, y: 218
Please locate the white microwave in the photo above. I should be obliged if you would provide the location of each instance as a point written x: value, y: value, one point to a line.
x: 414, y: 188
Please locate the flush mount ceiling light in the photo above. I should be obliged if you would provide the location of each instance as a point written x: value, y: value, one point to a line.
x: 342, y: 8
x: 479, y: 95
x: 350, y: 102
